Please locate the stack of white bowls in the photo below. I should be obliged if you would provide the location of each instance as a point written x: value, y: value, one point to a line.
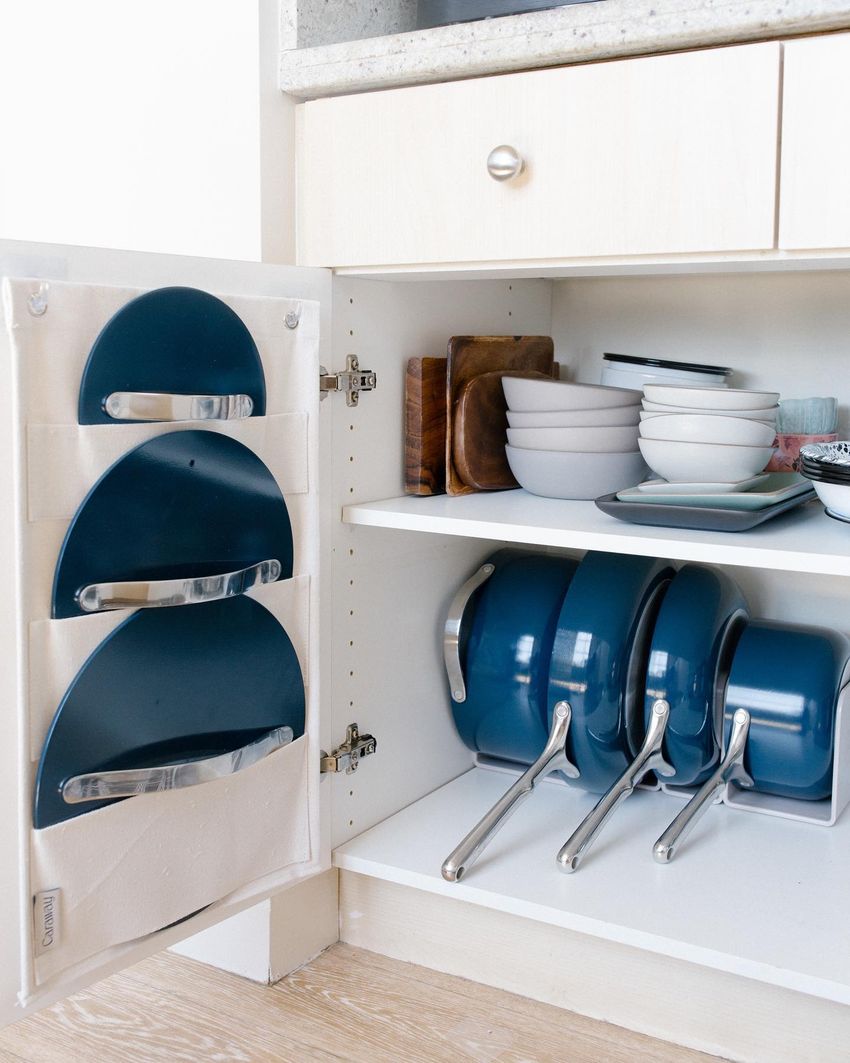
x: 707, y: 435
x: 570, y: 440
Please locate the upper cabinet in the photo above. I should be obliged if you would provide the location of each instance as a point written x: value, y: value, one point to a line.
x: 662, y: 155
x: 814, y: 203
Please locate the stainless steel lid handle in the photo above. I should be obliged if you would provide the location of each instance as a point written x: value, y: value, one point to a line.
x: 451, y: 632
x: 553, y: 758
x: 105, y: 785
x: 163, y: 406
x: 730, y: 767
x: 154, y: 594
x: 649, y: 758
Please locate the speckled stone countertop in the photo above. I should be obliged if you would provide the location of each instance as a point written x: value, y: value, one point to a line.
x: 548, y: 38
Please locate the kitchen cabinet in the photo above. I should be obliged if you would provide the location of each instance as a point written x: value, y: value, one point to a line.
x: 814, y: 206
x: 750, y: 919
x: 663, y: 155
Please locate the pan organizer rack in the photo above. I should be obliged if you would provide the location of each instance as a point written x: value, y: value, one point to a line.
x: 168, y: 520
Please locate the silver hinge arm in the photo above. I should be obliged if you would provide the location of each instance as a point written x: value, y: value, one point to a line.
x: 346, y: 757
x: 351, y: 381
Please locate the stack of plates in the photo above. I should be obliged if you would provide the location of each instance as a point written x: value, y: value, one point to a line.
x: 827, y: 466
x: 572, y: 440
x: 707, y: 435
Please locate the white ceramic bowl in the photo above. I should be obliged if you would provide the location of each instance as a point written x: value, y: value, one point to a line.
x: 703, y: 462
x: 673, y: 411
x: 529, y: 395
x: 585, y: 440
x: 615, y: 416
x: 710, y: 398
x: 564, y: 474
x: 768, y: 413
x: 836, y: 497
x: 691, y: 428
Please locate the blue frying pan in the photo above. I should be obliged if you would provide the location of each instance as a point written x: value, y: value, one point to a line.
x: 171, y: 687
x: 598, y: 660
x: 699, y: 623
x: 779, y: 714
x: 171, y: 341
x: 186, y: 506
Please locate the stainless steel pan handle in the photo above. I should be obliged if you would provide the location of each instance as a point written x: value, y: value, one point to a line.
x: 730, y: 767
x: 100, y: 786
x: 650, y: 758
x: 553, y: 758
x: 153, y: 594
x: 451, y: 632
x: 163, y: 406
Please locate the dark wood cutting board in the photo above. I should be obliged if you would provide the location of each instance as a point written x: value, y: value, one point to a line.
x: 473, y: 356
x: 425, y: 427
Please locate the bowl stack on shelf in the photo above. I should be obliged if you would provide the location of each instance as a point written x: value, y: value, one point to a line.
x: 827, y: 466
x: 710, y: 447
x: 569, y: 440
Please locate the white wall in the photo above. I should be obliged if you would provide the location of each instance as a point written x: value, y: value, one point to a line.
x: 137, y: 125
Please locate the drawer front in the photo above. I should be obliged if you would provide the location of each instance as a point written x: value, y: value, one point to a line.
x: 815, y: 205
x: 661, y: 155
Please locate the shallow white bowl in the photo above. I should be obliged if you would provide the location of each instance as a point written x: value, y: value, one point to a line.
x: 672, y: 411
x: 703, y: 462
x: 530, y: 395
x: 564, y: 474
x: 691, y: 428
x: 710, y: 398
x: 768, y: 413
x: 614, y: 416
x: 836, y: 497
x: 585, y: 440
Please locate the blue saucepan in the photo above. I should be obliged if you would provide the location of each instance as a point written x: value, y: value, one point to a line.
x: 698, y: 625
x: 599, y: 660
x: 779, y: 717
x: 497, y: 648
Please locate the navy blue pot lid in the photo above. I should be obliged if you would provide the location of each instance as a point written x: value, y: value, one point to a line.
x: 177, y: 340
x: 700, y: 620
x: 599, y: 657
x: 170, y: 685
x: 788, y: 679
x: 185, y: 504
x: 505, y: 652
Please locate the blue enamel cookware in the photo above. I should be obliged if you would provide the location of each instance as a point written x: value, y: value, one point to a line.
x: 182, y: 518
x: 170, y: 698
x: 599, y: 660
x: 779, y: 720
x: 699, y: 623
x: 497, y: 647
x: 172, y: 354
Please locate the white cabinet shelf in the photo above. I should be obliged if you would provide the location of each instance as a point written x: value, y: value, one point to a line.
x: 749, y: 894
x: 804, y: 540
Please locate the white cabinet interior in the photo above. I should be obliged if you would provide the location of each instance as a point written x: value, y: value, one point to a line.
x: 668, y: 154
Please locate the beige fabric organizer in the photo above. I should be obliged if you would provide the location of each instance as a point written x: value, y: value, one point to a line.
x: 130, y: 869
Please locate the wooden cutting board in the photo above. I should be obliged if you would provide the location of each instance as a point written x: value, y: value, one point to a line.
x: 470, y: 357
x: 425, y: 427
x: 479, y: 432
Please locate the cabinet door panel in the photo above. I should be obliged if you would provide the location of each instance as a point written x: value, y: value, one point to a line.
x: 814, y: 204
x: 666, y: 154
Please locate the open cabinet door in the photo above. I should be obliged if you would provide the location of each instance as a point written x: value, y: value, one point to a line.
x: 162, y: 545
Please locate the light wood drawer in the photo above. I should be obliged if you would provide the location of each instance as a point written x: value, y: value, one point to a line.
x: 815, y: 202
x: 665, y: 154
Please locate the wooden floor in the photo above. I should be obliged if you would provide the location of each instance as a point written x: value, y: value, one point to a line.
x: 347, y: 1005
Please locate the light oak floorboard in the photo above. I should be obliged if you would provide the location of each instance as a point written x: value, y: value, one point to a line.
x: 347, y: 1004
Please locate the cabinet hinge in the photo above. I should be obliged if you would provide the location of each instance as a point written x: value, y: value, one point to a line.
x: 351, y: 381
x: 346, y: 757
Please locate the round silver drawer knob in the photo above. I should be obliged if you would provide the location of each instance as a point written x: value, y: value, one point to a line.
x: 505, y: 162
